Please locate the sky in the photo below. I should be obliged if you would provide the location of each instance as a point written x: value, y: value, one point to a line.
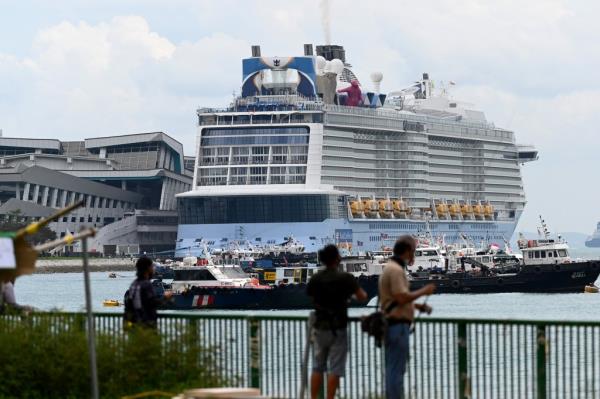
x: 75, y: 69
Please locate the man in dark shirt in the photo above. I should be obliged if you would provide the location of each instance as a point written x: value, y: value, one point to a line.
x: 331, y: 290
x: 141, y: 301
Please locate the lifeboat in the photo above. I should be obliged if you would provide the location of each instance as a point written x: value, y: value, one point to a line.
x: 111, y: 303
x: 478, y: 211
x: 357, y: 208
x: 371, y: 208
x: 401, y: 209
x: 467, y: 211
x: 455, y: 211
x: 442, y: 210
x: 488, y: 211
x: 386, y: 209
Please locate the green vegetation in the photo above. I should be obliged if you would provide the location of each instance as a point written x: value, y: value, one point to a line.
x: 15, y: 221
x: 43, y: 359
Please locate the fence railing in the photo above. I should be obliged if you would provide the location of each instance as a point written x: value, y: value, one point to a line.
x: 449, y: 358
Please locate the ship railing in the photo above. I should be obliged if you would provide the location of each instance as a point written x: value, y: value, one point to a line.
x: 449, y: 358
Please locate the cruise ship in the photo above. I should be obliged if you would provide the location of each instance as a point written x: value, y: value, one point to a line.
x: 310, y: 151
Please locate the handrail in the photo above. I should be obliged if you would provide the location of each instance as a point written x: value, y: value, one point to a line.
x: 423, y: 319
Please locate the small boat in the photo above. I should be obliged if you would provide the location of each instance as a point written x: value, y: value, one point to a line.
x: 111, y: 303
x: 112, y: 275
x: 591, y: 289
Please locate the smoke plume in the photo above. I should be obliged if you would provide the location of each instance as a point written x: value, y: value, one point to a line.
x: 325, y: 20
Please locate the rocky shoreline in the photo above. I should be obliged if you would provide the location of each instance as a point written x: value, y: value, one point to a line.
x: 45, y: 266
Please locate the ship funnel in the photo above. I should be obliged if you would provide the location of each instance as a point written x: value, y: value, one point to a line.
x: 255, y: 51
x: 308, y: 49
x: 332, y: 51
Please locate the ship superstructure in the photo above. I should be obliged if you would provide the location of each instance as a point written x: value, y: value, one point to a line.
x: 593, y: 241
x: 309, y: 151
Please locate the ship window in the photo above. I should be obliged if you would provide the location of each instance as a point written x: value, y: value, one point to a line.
x: 258, y: 209
x: 543, y: 254
x: 288, y: 272
x: 537, y: 254
x: 549, y: 254
x: 417, y: 253
x: 562, y: 253
x: 530, y: 254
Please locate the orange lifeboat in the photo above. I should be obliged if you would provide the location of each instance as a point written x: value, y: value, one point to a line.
x: 478, y: 211
x: 401, y: 209
x: 467, y: 211
x: 488, y: 211
x: 386, y: 209
x: 442, y: 210
x: 357, y: 208
x: 455, y: 211
x: 371, y: 208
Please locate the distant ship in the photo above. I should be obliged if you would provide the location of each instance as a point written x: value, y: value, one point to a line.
x: 593, y: 241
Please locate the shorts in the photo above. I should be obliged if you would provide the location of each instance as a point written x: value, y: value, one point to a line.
x: 330, y: 347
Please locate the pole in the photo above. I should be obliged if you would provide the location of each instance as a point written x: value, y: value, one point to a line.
x: 91, y: 336
x: 254, y: 346
x: 304, y: 384
x: 542, y: 343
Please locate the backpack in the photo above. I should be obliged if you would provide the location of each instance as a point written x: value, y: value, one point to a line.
x: 132, y: 312
x: 376, y: 324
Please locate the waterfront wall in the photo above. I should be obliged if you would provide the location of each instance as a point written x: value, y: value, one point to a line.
x: 62, y: 265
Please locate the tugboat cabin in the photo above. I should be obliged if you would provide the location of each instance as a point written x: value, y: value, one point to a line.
x: 544, y: 251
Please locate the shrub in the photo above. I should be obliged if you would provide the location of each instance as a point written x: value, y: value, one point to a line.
x: 40, y: 358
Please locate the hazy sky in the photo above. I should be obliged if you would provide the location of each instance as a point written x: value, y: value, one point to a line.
x: 74, y: 69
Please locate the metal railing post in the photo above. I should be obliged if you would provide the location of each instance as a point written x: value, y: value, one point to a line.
x: 254, y: 355
x: 463, y: 370
x: 91, y: 336
x: 542, y: 344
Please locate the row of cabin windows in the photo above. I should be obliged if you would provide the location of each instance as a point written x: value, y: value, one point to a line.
x: 547, y: 254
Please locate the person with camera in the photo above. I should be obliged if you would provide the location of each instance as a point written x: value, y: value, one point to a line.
x: 331, y: 291
x: 397, y: 304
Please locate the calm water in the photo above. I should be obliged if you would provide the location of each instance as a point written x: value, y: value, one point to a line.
x: 64, y: 291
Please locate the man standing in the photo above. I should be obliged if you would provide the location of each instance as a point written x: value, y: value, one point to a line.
x: 331, y: 291
x: 141, y: 302
x: 396, y: 301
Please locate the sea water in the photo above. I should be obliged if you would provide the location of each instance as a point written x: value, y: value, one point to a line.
x: 65, y: 292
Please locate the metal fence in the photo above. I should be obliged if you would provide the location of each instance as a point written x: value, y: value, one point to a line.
x: 449, y: 358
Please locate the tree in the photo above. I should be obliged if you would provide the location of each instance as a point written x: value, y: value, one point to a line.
x: 15, y: 221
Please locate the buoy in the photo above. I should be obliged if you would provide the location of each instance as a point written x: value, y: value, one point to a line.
x: 591, y: 289
x: 111, y: 302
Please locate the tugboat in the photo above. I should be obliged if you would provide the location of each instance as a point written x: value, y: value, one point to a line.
x: 546, y: 267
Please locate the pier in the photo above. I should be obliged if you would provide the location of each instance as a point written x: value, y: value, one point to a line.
x: 449, y: 358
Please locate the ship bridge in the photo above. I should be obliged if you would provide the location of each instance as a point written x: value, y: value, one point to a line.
x: 527, y: 153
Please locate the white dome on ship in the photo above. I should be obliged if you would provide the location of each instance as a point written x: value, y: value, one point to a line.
x: 376, y: 76
x: 337, y: 66
x: 320, y: 62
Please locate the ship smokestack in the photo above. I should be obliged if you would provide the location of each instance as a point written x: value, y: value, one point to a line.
x: 255, y: 51
x: 332, y: 51
x: 308, y: 49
